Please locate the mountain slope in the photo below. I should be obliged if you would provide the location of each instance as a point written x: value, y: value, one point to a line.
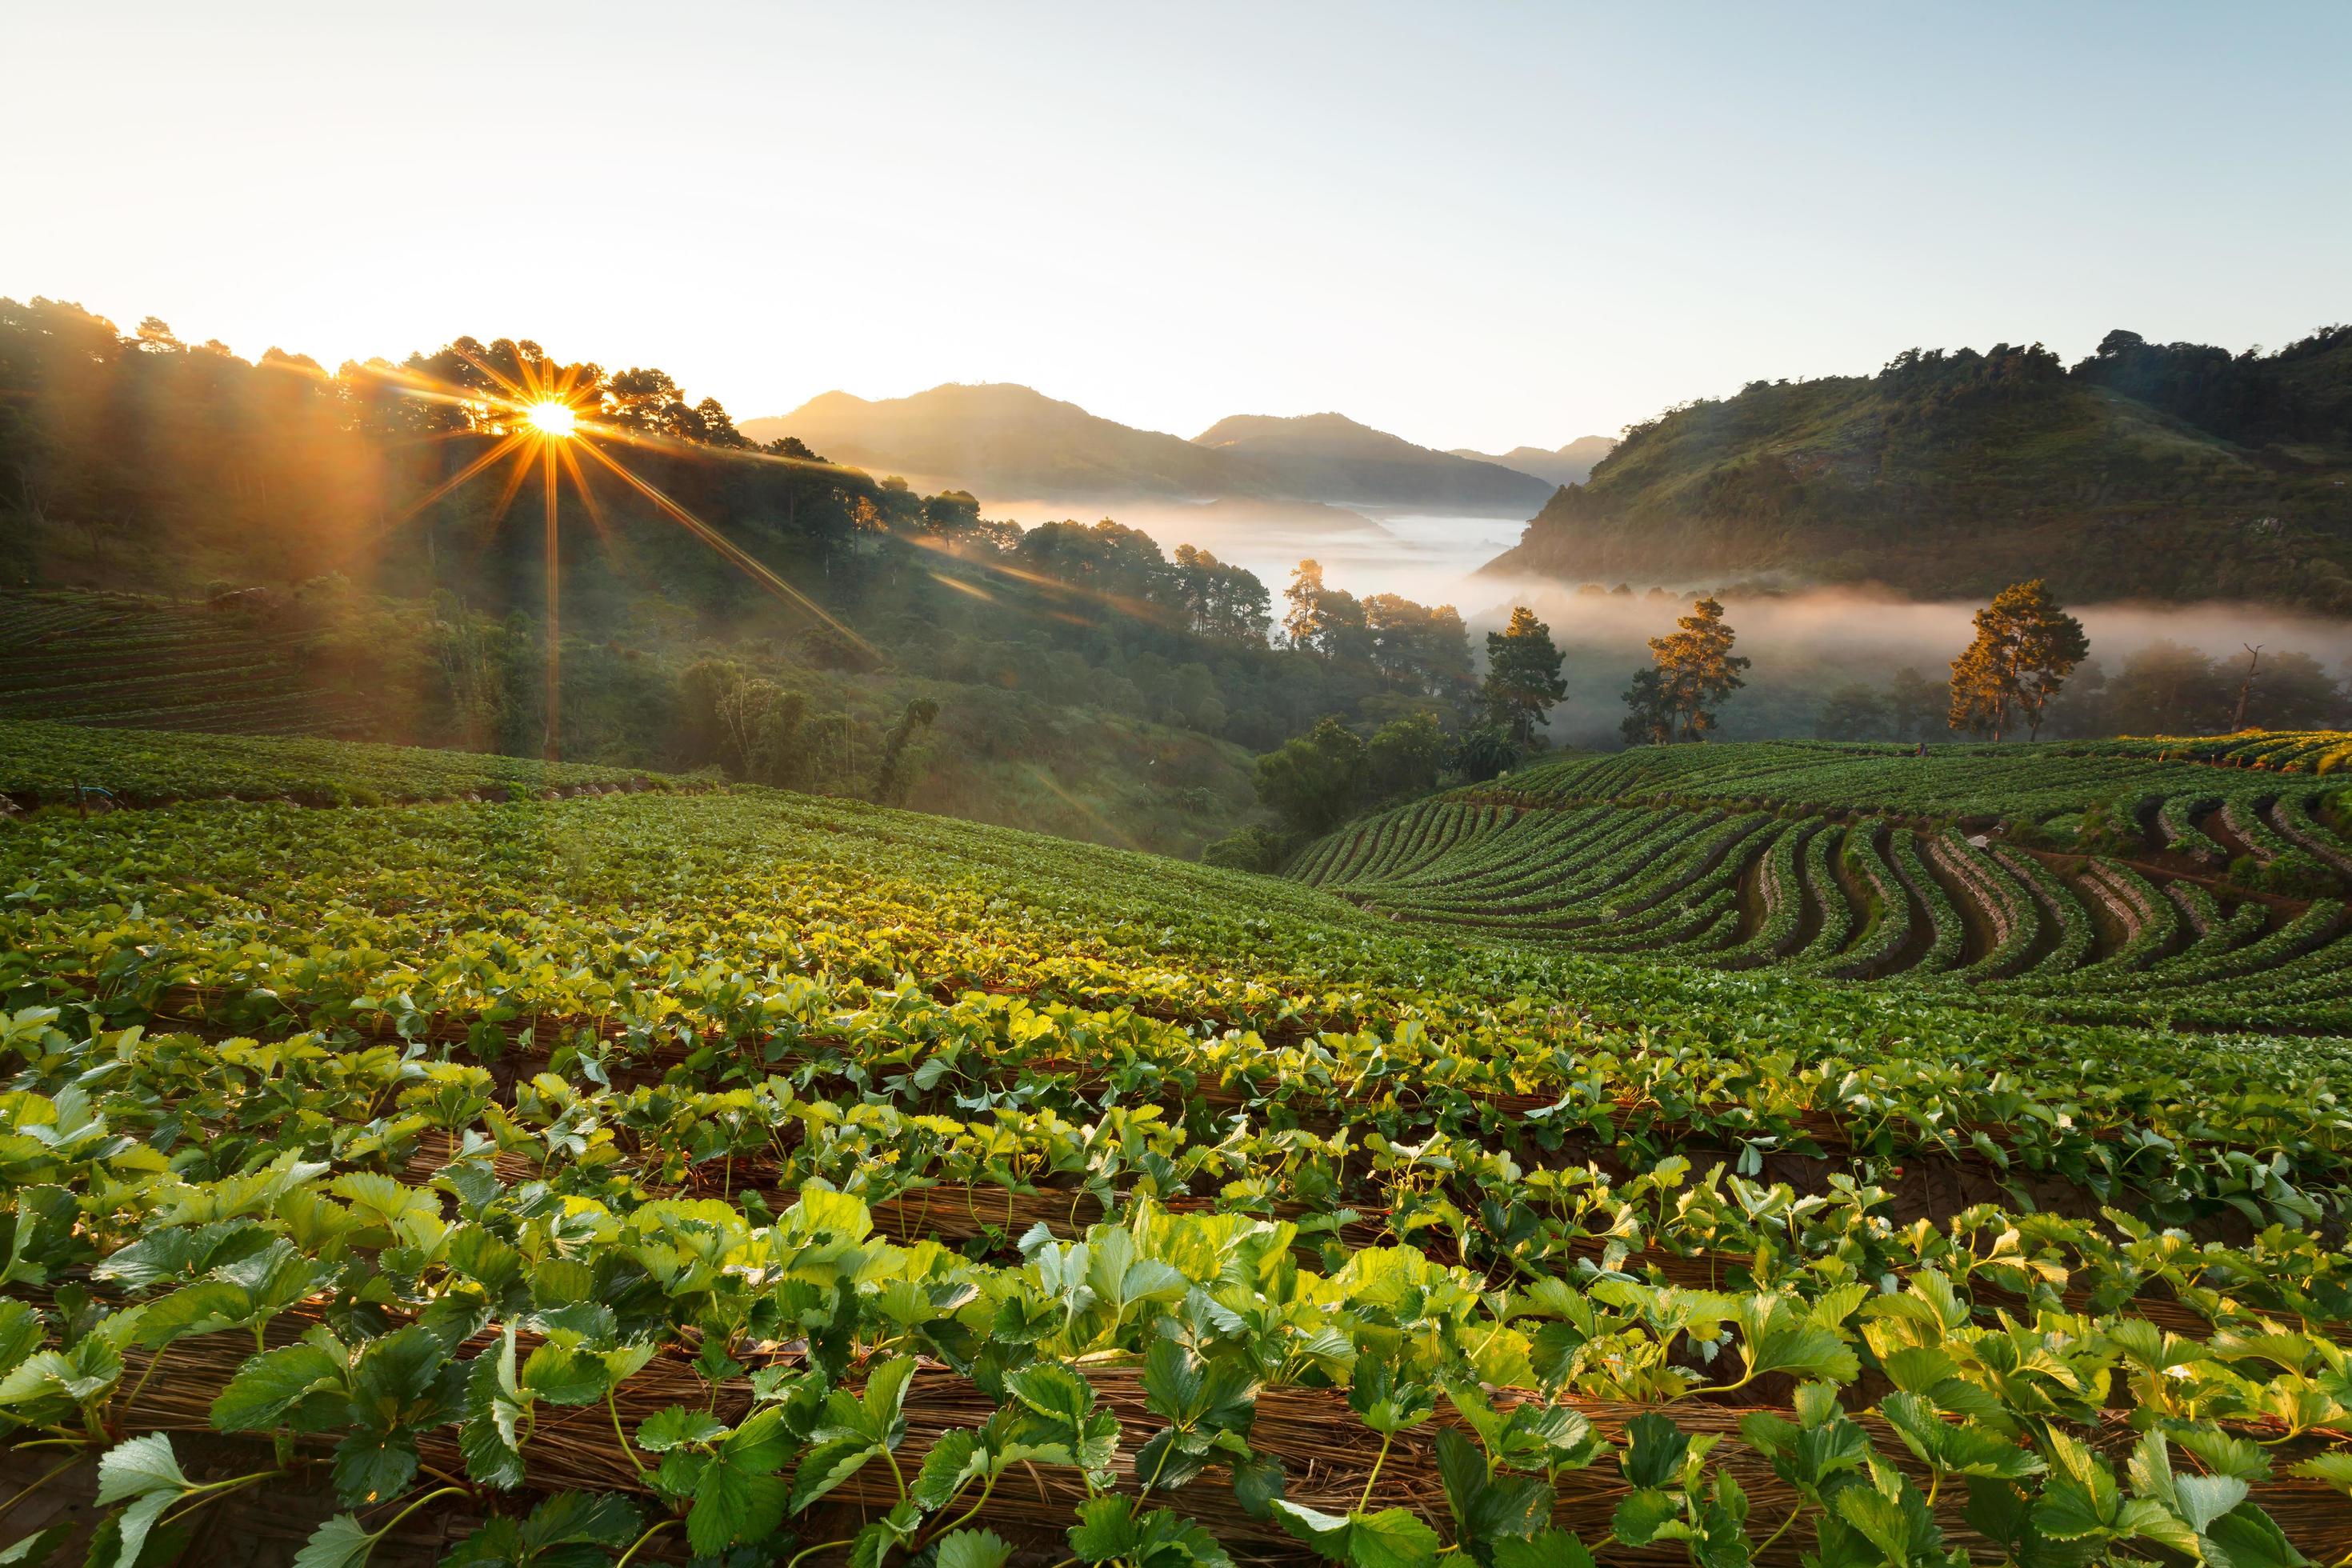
x: 1008, y: 440
x: 1333, y: 458
x: 1569, y: 465
x: 1950, y: 475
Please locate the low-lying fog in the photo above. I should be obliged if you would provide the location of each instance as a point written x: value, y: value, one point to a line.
x: 1428, y: 559
x: 1806, y: 644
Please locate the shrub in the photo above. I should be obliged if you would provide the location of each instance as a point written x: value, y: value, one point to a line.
x: 2109, y: 829
x: 2295, y: 875
x: 2051, y: 833
x: 1251, y: 849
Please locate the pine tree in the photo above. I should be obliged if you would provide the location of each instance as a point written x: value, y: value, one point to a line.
x: 1304, y: 618
x: 1326, y: 621
x: 1523, y: 677
x: 1651, y: 721
x: 1695, y: 667
x: 2026, y: 645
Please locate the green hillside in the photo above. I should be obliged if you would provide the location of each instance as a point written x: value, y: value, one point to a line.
x: 2141, y: 473
x: 744, y: 1173
x: 2097, y: 882
x: 127, y: 659
x: 191, y: 540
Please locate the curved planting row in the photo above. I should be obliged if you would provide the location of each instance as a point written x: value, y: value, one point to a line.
x: 102, y: 660
x: 2072, y: 934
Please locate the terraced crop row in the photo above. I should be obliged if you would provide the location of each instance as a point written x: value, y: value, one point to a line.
x: 2164, y: 802
x: 1706, y: 852
x: 117, y: 660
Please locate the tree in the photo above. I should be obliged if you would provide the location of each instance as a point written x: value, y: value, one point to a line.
x: 1695, y: 667
x: 2026, y: 645
x: 2290, y: 692
x: 1651, y: 722
x: 1483, y: 753
x: 1220, y: 601
x: 890, y: 781
x: 2165, y: 689
x: 1404, y: 756
x: 1917, y: 708
x: 1427, y: 649
x: 1314, y: 781
x: 1326, y: 621
x: 1523, y: 677
x: 1852, y: 713
x: 1250, y: 849
x: 1304, y: 616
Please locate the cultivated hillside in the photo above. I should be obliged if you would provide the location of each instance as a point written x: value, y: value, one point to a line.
x: 2165, y: 472
x: 2100, y: 881
x: 746, y: 1176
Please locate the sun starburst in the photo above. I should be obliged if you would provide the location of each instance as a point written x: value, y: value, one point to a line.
x: 544, y: 416
x: 553, y: 419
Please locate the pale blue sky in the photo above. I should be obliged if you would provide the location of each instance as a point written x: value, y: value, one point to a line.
x: 1471, y: 225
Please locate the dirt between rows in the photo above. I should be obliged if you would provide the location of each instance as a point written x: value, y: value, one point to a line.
x: 1326, y: 1457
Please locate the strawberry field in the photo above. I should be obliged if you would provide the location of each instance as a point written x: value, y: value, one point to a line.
x: 124, y: 661
x: 741, y: 1178
x: 2126, y: 888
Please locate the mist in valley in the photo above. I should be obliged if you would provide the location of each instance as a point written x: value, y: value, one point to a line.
x: 1809, y: 646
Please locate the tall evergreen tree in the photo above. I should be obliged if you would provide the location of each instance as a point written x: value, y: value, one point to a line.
x: 1523, y: 677
x: 1695, y: 667
x: 1302, y: 620
x: 1651, y: 722
x: 2026, y: 645
x: 1918, y: 706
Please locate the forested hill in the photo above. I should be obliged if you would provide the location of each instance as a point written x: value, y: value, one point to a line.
x: 2161, y: 471
x: 1009, y: 442
x: 189, y: 540
x: 1331, y: 458
x: 1005, y: 440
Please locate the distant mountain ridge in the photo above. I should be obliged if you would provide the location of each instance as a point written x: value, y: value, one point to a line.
x: 1332, y: 458
x: 2150, y: 471
x: 1569, y: 465
x: 1009, y: 440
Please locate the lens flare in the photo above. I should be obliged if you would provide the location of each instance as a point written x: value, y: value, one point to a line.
x: 543, y: 422
x: 551, y: 419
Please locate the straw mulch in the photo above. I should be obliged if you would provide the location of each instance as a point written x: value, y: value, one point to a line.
x: 1325, y: 1451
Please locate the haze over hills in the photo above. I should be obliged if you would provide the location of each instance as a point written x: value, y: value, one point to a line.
x: 2157, y: 471
x: 1569, y: 465
x: 1003, y: 439
x: 1331, y: 458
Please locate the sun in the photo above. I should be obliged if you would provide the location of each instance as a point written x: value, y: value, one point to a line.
x: 550, y: 418
x: 540, y: 428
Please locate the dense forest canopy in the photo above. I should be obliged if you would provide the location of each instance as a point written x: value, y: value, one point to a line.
x: 2159, y: 471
